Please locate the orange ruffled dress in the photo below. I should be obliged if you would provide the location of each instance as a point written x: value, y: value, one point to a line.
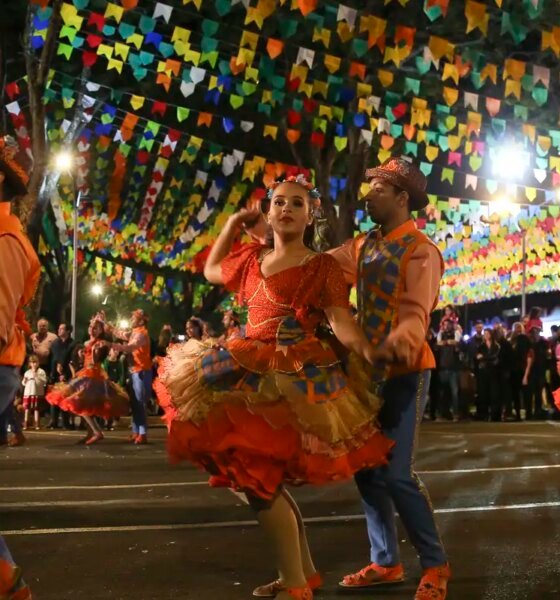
x: 275, y: 406
x: 91, y: 393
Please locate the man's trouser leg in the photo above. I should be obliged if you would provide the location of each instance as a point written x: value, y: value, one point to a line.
x: 9, y: 384
x: 141, y: 387
x: 396, y: 485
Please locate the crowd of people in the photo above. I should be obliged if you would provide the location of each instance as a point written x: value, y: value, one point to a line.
x: 53, y: 361
x: 494, y: 373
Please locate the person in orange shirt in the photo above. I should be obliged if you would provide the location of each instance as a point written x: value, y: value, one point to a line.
x: 137, y: 349
x: 397, y: 270
x: 19, y: 274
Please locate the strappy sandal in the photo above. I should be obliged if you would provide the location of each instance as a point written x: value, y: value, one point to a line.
x: 299, y: 593
x: 270, y: 590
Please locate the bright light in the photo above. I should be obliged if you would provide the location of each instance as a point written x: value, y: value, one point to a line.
x: 466, y: 338
x: 504, y: 206
x: 97, y: 289
x: 181, y: 337
x: 63, y: 161
x: 510, y: 162
x: 124, y: 324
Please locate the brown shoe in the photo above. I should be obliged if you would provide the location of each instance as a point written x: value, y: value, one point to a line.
x: 433, y: 585
x: 18, y: 439
x: 373, y: 575
x: 270, y: 590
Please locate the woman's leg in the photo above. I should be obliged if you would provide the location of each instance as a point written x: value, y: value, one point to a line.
x: 306, y: 559
x: 280, y: 525
x: 26, y: 418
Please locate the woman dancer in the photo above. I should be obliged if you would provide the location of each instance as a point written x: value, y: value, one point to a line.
x: 276, y: 407
x: 91, y: 393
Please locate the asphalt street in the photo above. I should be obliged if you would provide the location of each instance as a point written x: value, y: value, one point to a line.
x: 115, y: 521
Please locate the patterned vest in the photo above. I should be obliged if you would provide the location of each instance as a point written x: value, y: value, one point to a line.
x: 382, y: 267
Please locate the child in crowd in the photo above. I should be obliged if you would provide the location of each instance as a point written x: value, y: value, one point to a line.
x: 34, y: 385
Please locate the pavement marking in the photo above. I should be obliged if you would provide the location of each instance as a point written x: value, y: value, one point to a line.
x: 121, y: 486
x: 225, y: 524
x: 131, y: 486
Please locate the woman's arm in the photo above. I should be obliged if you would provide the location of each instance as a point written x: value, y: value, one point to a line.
x: 222, y: 247
x: 351, y: 336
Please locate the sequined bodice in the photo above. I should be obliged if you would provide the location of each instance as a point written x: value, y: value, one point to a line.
x: 271, y: 299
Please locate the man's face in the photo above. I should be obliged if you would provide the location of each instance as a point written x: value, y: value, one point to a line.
x: 479, y: 327
x: 382, y: 200
x: 518, y: 329
x: 43, y: 327
x: 62, y: 331
x: 449, y: 326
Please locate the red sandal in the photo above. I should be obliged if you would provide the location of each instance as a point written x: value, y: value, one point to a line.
x: 300, y: 593
x: 270, y: 590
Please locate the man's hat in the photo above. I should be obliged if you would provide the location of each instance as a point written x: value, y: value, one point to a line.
x: 406, y: 176
x: 16, y: 179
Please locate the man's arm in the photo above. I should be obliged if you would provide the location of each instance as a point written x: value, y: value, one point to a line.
x: 422, y: 279
x: 13, y: 268
x: 137, y: 340
x: 347, y: 257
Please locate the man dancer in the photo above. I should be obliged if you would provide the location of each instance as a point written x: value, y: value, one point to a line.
x: 137, y: 350
x: 398, y: 272
x: 19, y: 274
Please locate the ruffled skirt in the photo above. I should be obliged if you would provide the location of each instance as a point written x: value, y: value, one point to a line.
x: 261, y: 414
x: 91, y: 393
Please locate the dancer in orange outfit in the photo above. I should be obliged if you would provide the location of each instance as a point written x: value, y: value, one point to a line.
x: 91, y: 393
x: 19, y: 274
x: 275, y: 407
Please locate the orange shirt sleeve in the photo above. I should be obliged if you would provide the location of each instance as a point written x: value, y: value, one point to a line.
x: 422, y: 280
x: 14, y: 267
x: 233, y: 265
x: 347, y: 257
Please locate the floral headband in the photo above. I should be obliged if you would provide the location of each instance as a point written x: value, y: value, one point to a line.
x: 300, y: 180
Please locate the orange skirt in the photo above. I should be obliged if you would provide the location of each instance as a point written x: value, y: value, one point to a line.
x: 260, y: 415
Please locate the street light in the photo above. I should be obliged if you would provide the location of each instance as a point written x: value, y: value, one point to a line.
x: 97, y: 289
x: 510, y: 161
x: 64, y: 163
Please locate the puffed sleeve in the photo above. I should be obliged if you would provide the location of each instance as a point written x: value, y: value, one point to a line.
x: 334, y: 289
x: 235, y: 263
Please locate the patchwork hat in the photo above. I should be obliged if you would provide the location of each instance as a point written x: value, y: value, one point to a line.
x: 404, y: 175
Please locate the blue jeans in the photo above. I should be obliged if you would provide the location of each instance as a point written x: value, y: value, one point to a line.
x: 396, y: 485
x: 9, y: 385
x: 450, y: 378
x: 142, y: 390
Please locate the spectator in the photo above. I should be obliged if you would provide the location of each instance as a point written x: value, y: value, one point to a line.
x: 232, y: 326
x: 449, y: 364
x: 61, y: 351
x: 488, y: 359
x: 537, y: 376
x: 449, y: 314
x: 194, y: 329
x: 504, y: 368
x: 41, y: 343
x: 534, y: 320
x: 77, y: 360
x: 34, y: 385
x: 433, y: 404
x: 521, y: 363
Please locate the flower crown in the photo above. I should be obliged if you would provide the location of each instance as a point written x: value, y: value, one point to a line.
x: 300, y: 180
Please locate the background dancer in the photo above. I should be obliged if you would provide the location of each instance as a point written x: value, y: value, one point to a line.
x: 276, y: 407
x: 19, y: 274
x: 398, y: 271
x: 137, y: 349
x: 91, y: 393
